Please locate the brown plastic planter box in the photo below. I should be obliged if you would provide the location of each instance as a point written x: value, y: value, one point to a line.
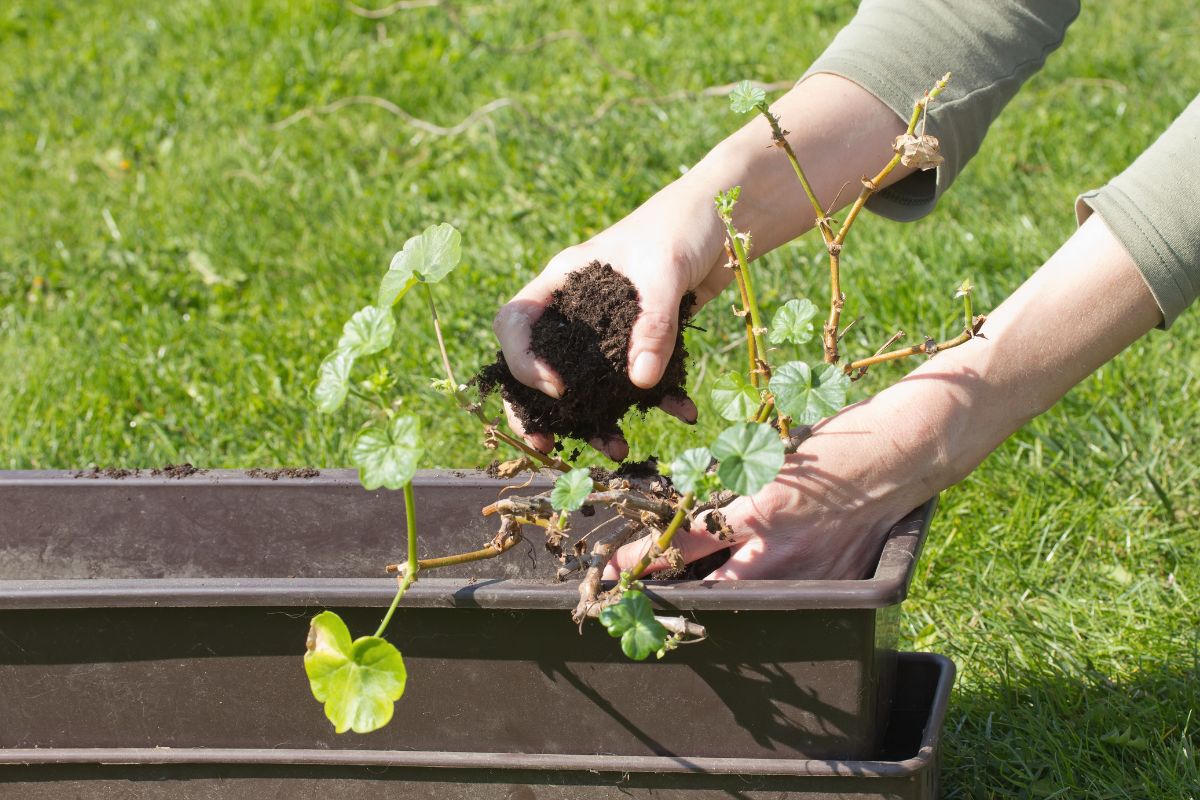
x: 150, y: 612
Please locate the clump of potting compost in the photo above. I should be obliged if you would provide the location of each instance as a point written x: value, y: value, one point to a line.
x: 584, y: 335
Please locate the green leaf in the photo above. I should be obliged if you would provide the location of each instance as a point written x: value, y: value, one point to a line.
x: 794, y: 322
x: 733, y: 398
x: 632, y: 619
x: 333, y: 381
x: 387, y: 456
x: 689, y: 472
x: 368, y: 331
x: 725, y: 201
x: 426, y: 258
x: 750, y: 454
x: 571, y: 489
x: 359, y: 682
x: 746, y: 97
x: 808, y: 394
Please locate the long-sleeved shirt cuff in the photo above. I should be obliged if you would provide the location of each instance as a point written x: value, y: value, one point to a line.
x: 897, y: 49
x: 1153, y: 208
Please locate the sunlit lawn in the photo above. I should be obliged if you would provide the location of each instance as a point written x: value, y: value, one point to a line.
x: 174, y: 263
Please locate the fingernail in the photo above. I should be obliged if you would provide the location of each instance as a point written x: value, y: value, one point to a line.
x: 647, y: 369
x: 546, y: 387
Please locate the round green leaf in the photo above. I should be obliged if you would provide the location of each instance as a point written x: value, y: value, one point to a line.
x: 387, y: 456
x: 632, y: 619
x: 750, y: 455
x: 809, y: 394
x: 571, y: 489
x: 427, y: 258
x: 368, y: 331
x: 794, y: 322
x: 358, y: 681
x: 746, y: 97
x: 333, y: 381
x: 733, y: 398
x: 689, y: 472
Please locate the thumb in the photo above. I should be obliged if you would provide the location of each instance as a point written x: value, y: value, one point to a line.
x: 654, y: 333
x: 693, y: 544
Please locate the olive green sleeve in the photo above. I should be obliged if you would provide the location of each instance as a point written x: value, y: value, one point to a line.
x: 897, y: 49
x: 1153, y: 208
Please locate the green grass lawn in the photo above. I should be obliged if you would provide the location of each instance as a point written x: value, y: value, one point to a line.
x: 174, y: 264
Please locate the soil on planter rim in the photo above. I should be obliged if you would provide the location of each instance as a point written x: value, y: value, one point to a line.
x: 283, y: 472
x: 177, y: 471
x: 114, y: 473
x: 584, y: 335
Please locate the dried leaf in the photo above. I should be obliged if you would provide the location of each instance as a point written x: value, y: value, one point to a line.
x: 554, y: 541
x: 717, y: 525
x: 508, y: 469
x: 674, y: 557
x: 921, y: 152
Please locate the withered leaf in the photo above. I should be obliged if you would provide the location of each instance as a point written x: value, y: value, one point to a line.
x: 674, y: 557
x: 508, y: 469
x: 922, y: 152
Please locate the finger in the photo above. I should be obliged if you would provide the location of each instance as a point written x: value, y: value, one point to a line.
x: 654, y: 333
x: 615, y: 447
x: 681, y: 408
x: 745, y: 563
x: 513, y: 324
x: 542, y: 442
x: 692, y: 543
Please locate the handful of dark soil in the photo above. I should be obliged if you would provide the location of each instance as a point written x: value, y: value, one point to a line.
x: 584, y: 335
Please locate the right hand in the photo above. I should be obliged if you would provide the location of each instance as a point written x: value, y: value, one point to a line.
x: 673, y: 243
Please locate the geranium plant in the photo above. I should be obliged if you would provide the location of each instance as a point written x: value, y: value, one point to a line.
x: 768, y: 406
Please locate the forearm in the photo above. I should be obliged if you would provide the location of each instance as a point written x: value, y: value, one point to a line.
x: 1074, y: 314
x: 839, y: 132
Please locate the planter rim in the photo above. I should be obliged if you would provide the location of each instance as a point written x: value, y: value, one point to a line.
x: 518, y: 761
x: 887, y: 587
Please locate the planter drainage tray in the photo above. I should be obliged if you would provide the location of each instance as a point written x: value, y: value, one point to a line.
x: 906, y: 766
x: 152, y: 612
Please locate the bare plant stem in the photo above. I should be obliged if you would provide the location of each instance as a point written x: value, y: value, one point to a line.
x: 761, y: 367
x: 869, y: 186
x: 682, y: 626
x: 664, y: 541
x: 618, y: 499
x: 764, y: 411
x: 928, y: 348
x: 437, y: 329
x: 413, y: 567
x: 602, y: 553
x: 505, y: 541
x: 895, y: 337
x: 474, y: 408
x: 751, y: 348
x: 779, y: 135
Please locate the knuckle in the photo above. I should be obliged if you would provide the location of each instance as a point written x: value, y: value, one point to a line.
x: 656, y: 325
x: 500, y: 321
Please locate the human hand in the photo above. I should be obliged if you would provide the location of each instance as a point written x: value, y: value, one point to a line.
x: 827, y: 513
x: 672, y: 244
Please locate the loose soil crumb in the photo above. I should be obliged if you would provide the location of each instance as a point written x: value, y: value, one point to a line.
x: 629, y: 469
x: 283, y: 472
x: 176, y: 471
x: 116, y: 473
x: 584, y: 335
